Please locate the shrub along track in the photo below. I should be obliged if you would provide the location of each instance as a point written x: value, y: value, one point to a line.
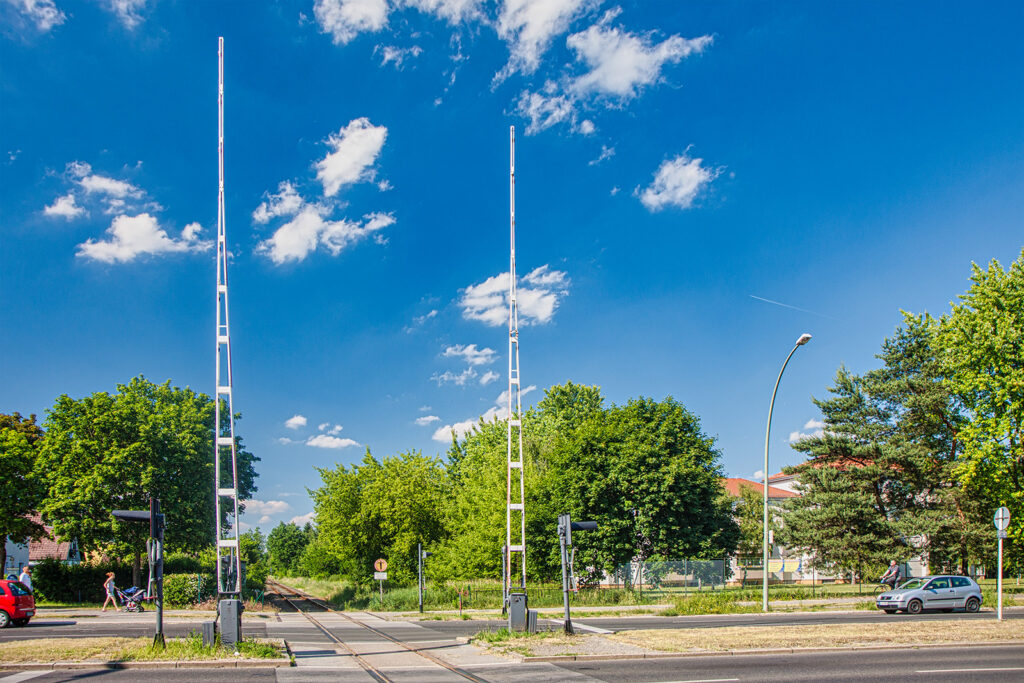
x: 305, y: 604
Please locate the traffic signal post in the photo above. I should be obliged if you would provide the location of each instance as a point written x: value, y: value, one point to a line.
x: 565, y: 528
x: 156, y: 556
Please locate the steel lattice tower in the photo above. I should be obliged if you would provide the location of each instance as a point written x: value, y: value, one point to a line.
x: 225, y: 458
x: 515, y: 498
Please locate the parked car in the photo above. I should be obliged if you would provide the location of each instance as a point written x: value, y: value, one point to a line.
x: 17, y: 605
x: 945, y: 593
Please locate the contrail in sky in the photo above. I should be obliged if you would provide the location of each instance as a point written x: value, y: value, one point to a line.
x: 795, y: 308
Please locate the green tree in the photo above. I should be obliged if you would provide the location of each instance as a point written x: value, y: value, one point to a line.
x: 836, y: 521
x: 252, y: 546
x: 594, y: 463
x: 893, y: 436
x: 285, y: 544
x: 982, y: 342
x: 380, y: 509
x: 104, y: 452
x: 21, y: 490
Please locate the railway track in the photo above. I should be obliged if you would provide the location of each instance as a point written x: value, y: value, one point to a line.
x: 295, y: 597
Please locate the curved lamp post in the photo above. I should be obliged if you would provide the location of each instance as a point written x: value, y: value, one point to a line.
x: 804, y: 338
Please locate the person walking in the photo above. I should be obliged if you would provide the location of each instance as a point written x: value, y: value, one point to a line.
x: 26, y: 577
x: 111, y: 589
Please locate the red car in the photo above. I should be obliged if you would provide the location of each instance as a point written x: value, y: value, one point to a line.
x: 17, y: 605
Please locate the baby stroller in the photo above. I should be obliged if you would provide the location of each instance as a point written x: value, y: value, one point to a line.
x: 133, y: 599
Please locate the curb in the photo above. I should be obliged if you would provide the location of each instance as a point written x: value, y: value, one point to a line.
x: 769, y: 651
x: 156, y: 664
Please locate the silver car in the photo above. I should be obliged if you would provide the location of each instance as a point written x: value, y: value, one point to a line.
x: 945, y: 592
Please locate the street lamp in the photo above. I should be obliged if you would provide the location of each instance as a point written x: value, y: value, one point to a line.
x: 804, y: 338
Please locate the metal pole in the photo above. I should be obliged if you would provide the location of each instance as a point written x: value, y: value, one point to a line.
x: 767, y: 432
x: 565, y: 581
x: 999, y: 583
x: 419, y: 554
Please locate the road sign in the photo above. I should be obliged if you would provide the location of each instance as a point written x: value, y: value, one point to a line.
x: 1001, y: 518
x: 381, y: 565
x: 1001, y: 533
x: 380, y: 576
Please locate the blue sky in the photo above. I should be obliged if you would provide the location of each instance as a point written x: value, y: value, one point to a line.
x: 680, y: 167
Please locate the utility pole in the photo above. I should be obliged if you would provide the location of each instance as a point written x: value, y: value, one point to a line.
x: 225, y: 452
x: 515, y: 490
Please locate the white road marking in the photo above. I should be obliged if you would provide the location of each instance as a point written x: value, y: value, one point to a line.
x: 582, y: 627
x: 24, y: 676
x: 959, y: 671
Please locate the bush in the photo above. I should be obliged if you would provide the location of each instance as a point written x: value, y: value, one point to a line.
x: 256, y: 576
x: 183, y: 563
x: 187, y: 589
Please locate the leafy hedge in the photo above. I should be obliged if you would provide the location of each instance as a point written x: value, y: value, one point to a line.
x: 186, y: 589
x: 58, y: 582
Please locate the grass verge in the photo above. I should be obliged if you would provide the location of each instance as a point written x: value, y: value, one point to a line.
x: 835, y: 635
x: 131, y: 650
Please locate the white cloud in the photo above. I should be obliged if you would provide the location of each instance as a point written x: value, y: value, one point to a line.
x: 454, y: 11
x: 759, y: 475
x: 461, y: 429
x: 677, y: 182
x: 43, y: 13
x: 295, y: 421
x: 458, y: 379
x: 127, y: 11
x: 95, y: 183
x: 606, y: 153
x: 134, y: 236
x: 529, y: 26
x: 813, y: 428
x: 345, y: 19
x: 287, y: 202
x: 327, y: 441
x: 327, y: 427
x: 425, y: 409
x: 265, y: 508
x: 302, y: 520
x: 427, y: 419
x: 65, y: 207
x: 397, y: 55
x: 470, y: 353
x: 545, y: 109
x: 284, y: 440
x: 294, y: 240
x: 539, y: 294
x: 617, y: 66
x: 488, y: 377
x: 621, y: 63
x: 356, y: 147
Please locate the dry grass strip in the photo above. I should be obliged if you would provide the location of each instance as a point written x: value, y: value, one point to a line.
x: 119, y: 650
x: 828, y: 635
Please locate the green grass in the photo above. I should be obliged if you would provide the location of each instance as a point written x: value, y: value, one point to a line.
x: 709, y: 603
x: 486, y: 595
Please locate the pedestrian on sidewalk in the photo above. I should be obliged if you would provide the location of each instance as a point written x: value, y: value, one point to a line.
x: 111, y: 589
x: 26, y: 577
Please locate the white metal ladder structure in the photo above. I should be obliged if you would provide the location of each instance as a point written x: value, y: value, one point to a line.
x: 225, y: 458
x: 515, y: 498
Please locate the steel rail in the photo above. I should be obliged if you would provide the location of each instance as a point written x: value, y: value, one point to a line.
x: 370, y: 668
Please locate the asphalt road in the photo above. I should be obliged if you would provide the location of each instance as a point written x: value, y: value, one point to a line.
x: 142, y: 624
x: 967, y: 664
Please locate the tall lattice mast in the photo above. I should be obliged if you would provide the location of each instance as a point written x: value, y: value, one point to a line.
x: 515, y: 498
x: 225, y: 458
